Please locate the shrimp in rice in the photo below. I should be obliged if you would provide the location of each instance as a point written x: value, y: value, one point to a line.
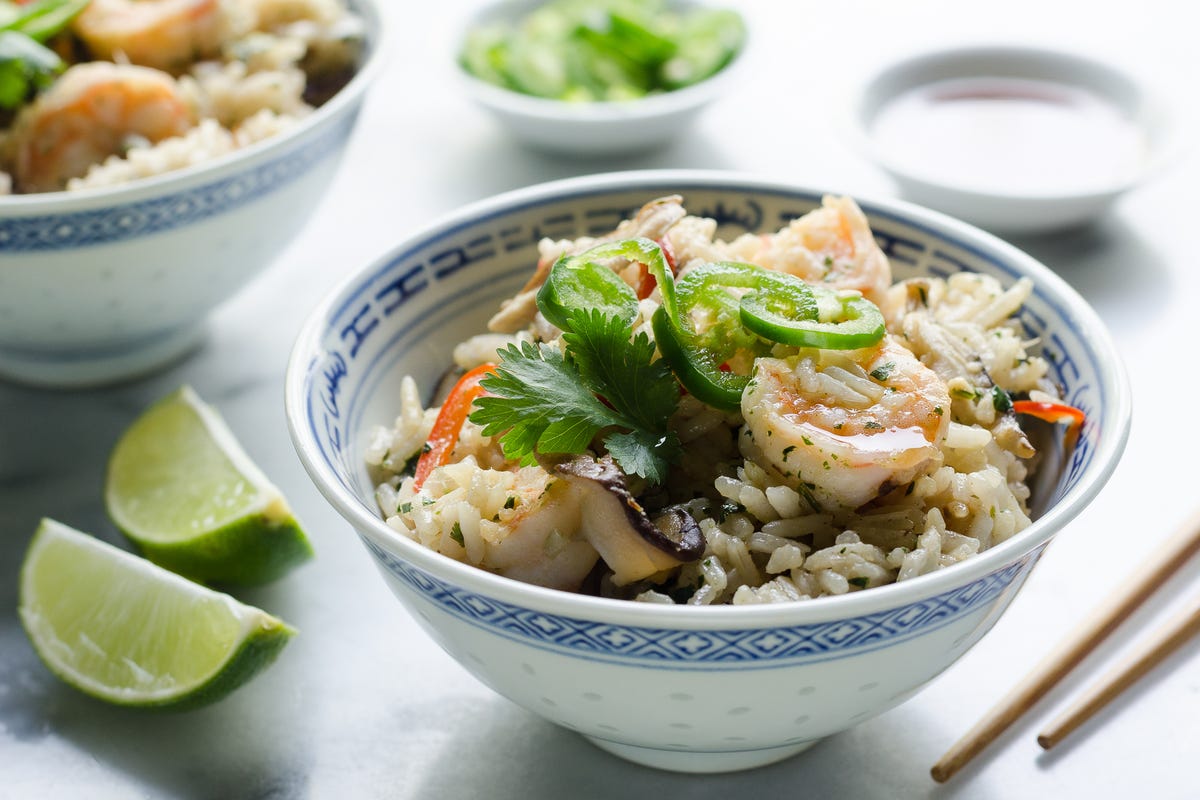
x: 808, y: 452
x: 93, y: 111
x: 845, y: 424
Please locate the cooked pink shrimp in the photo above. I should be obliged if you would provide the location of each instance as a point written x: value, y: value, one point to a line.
x: 165, y: 34
x: 831, y: 245
x: 585, y: 513
x: 541, y: 543
x: 91, y: 112
x: 846, y: 424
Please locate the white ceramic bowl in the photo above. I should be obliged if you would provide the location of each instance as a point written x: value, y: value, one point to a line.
x: 598, y: 128
x: 685, y: 688
x: 102, y: 285
x: 1013, y: 210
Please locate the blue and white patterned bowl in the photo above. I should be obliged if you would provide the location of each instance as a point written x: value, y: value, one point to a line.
x: 100, y: 285
x: 687, y: 688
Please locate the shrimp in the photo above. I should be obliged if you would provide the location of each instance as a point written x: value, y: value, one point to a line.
x: 92, y: 111
x: 831, y: 245
x: 845, y: 425
x: 164, y: 34
x: 542, y: 543
x: 584, y: 512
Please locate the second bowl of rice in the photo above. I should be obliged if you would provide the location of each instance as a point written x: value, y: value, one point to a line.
x: 139, y: 196
x: 806, y: 603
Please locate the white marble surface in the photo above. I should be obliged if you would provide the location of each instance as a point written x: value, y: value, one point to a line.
x: 362, y: 704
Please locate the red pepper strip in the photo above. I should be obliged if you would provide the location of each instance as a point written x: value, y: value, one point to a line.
x: 449, y: 422
x: 668, y: 254
x: 647, y: 283
x: 1051, y: 412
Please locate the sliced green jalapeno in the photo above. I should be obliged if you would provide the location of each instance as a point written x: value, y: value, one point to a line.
x: 698, y: 367
x: 707, y: 343
x: 578, y: 281
x: 857, y: 322
x: 717, y: 318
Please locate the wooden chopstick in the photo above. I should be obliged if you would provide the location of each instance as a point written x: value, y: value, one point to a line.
x: 1174, y: 553
x: 1173, y: 634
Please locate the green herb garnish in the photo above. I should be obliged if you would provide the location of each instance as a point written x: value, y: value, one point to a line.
x: 727, y: 509
x: 603, y: 50
x: 26, y: 64
x: 544, y: 401
x: 883, y: 372
x: 1001, y: 400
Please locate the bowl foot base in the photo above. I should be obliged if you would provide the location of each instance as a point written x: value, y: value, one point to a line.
x: 84, y: 368
x: 697, y: 762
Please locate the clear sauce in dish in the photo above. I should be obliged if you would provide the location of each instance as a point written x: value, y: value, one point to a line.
x: 1010, y: 136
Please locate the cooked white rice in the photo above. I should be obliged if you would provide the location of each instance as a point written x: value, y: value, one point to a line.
x: 764, y: 540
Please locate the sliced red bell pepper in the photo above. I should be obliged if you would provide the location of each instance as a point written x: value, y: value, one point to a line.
x: 1051, y: 412
x: 449, y: 422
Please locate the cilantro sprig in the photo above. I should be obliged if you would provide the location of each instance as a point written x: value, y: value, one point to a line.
x: 542, y: 400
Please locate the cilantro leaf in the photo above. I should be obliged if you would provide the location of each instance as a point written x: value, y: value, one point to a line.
x: 544, y: 401
x: 539, y: 404
x: 640, y: 453
x: 624, y: 372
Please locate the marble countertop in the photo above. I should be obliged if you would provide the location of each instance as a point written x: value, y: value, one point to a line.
x: 363, y: 704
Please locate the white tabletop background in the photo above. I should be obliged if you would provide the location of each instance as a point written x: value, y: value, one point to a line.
x: 362, y: 704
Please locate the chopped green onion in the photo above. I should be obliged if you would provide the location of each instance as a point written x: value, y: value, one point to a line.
x: 27, y: 65
x: 603, y: 50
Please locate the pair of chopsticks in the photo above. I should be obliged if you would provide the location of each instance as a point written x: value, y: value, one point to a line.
x: 1182, y: 545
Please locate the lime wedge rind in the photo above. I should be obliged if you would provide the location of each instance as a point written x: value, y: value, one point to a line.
x: 182, y: 489
x: 126, y: 631
x: 265, y: 549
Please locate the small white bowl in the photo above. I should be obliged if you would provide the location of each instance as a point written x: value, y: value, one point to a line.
x: 699, y: 689
x: 107, y: 284
x: 1005, y: 206
x: 592, y: 129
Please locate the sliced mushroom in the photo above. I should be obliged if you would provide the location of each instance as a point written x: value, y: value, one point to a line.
x: 632, y: 544
x: 1011, y: 436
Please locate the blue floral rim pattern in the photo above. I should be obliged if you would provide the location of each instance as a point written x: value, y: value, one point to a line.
x: 755, y: 648
x: 48, y: 232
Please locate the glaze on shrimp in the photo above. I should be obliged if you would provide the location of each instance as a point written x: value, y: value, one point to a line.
x: 845, y: 424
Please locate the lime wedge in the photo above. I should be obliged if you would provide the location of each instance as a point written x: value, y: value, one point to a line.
x: 183, y: 490
x: 121, y: 629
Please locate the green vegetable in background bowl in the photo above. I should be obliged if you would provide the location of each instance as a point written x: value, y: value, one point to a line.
x: 604, y: 50
x: 25, y: 62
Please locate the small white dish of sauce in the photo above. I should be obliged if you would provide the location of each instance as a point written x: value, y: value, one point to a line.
x: 1014, y: 139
